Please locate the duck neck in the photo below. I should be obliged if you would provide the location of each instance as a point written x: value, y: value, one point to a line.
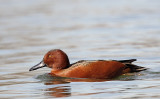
x: 56, y: 72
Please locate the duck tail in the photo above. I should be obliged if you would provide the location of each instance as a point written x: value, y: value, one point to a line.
x: 132, y: 67
x: 135, y: 68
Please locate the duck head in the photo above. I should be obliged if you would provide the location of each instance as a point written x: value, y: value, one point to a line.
x: 55, y: 59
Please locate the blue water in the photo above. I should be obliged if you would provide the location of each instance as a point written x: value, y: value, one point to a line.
x: 85, y: 30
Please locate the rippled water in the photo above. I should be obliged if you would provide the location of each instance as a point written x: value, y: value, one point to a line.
x: 84, y: 29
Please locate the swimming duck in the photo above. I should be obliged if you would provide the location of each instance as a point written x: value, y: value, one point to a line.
x: 99, y: 69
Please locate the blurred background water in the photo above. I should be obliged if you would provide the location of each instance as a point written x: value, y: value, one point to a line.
x: 84, y: 29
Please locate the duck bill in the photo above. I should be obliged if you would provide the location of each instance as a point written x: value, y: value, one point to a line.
x: 39, y: 65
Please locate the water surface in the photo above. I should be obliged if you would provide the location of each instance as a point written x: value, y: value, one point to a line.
x: 84, y: 29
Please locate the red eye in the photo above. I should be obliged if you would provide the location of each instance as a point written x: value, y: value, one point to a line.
x: 50, y: 56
